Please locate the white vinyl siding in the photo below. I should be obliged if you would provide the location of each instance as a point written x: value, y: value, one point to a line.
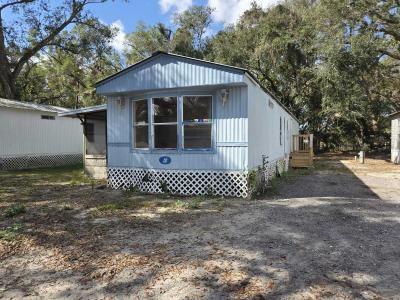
x: 24, y: 132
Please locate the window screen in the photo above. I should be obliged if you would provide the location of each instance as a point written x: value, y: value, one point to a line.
x: 95, y: 133
x: 141, y: 125
x: 197, y: 122
x: 165, y: 122
x: 89, y: 132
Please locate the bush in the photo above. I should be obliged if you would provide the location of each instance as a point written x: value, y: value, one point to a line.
x: 14, y: 210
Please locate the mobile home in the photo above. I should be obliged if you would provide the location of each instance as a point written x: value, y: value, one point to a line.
x: 32, y: 135
x: 192, y: 127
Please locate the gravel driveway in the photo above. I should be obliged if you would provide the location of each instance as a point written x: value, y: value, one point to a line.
x: 330, y: 234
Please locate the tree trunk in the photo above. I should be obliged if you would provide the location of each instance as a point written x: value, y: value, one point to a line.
x: 7, y: 80
x: 8, y: 87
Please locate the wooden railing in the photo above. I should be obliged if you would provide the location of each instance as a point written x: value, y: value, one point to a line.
x: 302, y: 153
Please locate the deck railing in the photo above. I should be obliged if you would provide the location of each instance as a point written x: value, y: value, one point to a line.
x: 302, y: 151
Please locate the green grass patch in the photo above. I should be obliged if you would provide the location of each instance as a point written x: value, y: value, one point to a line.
x: 194, y: 203
x: 15, y: 210
x: 73, y: 175
x: 10, y: 233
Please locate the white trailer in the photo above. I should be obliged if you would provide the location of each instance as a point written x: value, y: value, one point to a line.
x: 32, y: 135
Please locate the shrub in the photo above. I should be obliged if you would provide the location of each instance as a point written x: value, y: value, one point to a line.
x: 14, y: 210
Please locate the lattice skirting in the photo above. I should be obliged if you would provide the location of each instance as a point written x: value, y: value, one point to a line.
x: 265, y: 173
x: 275, y: 167
x: 39, y: 161
x: 183, y: 182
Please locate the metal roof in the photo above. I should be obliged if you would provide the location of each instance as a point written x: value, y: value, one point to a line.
x: 84, y: 110
x: 31, y: 106
x: 157, y: 53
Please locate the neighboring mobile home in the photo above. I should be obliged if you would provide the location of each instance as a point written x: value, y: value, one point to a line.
x: 189, y: 126
x: 32, y: 135
x: 395, y: 137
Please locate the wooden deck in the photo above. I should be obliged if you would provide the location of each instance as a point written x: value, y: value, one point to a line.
x: 302, y: 154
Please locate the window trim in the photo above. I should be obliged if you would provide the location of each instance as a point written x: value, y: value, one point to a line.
x: 183, y: 123
x: 133, y: 124
x: 179, y: 95
x: 153, y: 124
x: 47, y: 117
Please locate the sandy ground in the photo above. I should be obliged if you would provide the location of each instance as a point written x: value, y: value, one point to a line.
x: 333, y: 233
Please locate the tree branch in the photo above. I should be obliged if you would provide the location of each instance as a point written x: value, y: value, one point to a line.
x: 15, y: 3
x: 76, y: 9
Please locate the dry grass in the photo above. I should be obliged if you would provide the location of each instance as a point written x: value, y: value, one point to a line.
x: 65, y: 236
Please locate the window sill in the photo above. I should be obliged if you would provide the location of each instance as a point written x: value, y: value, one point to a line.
x: 172, y: 151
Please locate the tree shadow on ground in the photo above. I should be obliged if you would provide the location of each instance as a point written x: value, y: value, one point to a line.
x: 325, y: 234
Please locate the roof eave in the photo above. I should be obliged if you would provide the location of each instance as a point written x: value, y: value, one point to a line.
x: 83, y: 111
x: 394, y: 115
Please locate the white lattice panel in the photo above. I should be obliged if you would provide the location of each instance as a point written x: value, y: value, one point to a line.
x: 183, y: 182
x: 275, y: 167
x: 42, y: 161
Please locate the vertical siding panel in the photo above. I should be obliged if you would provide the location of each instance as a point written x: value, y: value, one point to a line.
x: 230, y: 152
x: 23, y: 131
x: 226, y: 158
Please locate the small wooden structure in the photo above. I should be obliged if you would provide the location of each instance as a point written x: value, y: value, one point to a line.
x: 302, y: 153
x: 395, y: 137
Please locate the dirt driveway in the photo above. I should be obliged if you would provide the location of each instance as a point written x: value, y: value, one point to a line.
x: 333, y: 233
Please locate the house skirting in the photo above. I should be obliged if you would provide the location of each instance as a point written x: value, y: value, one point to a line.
x: 182, y: 182
x: 39, y: 161
x: 192, y: 182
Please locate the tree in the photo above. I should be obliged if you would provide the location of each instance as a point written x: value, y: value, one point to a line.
x: 67, y: 79
x: 327, y: 60
x: 277, y: 46
x: 147, y: 39
x: 187, y: 39
x: 39, y: 24
x: 192, y: 25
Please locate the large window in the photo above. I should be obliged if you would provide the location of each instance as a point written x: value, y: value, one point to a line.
x: 197, y: 122
x: 141, y: 125
x: 173, y: 124
x: 165, y: 121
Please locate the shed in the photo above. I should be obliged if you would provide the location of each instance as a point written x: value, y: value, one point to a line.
x: 192, y: 127
x: 94, y: 122
x: 32, y: 135
x: 395, y: 137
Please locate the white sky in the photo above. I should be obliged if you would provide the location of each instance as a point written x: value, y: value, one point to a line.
x: 119, y: 40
